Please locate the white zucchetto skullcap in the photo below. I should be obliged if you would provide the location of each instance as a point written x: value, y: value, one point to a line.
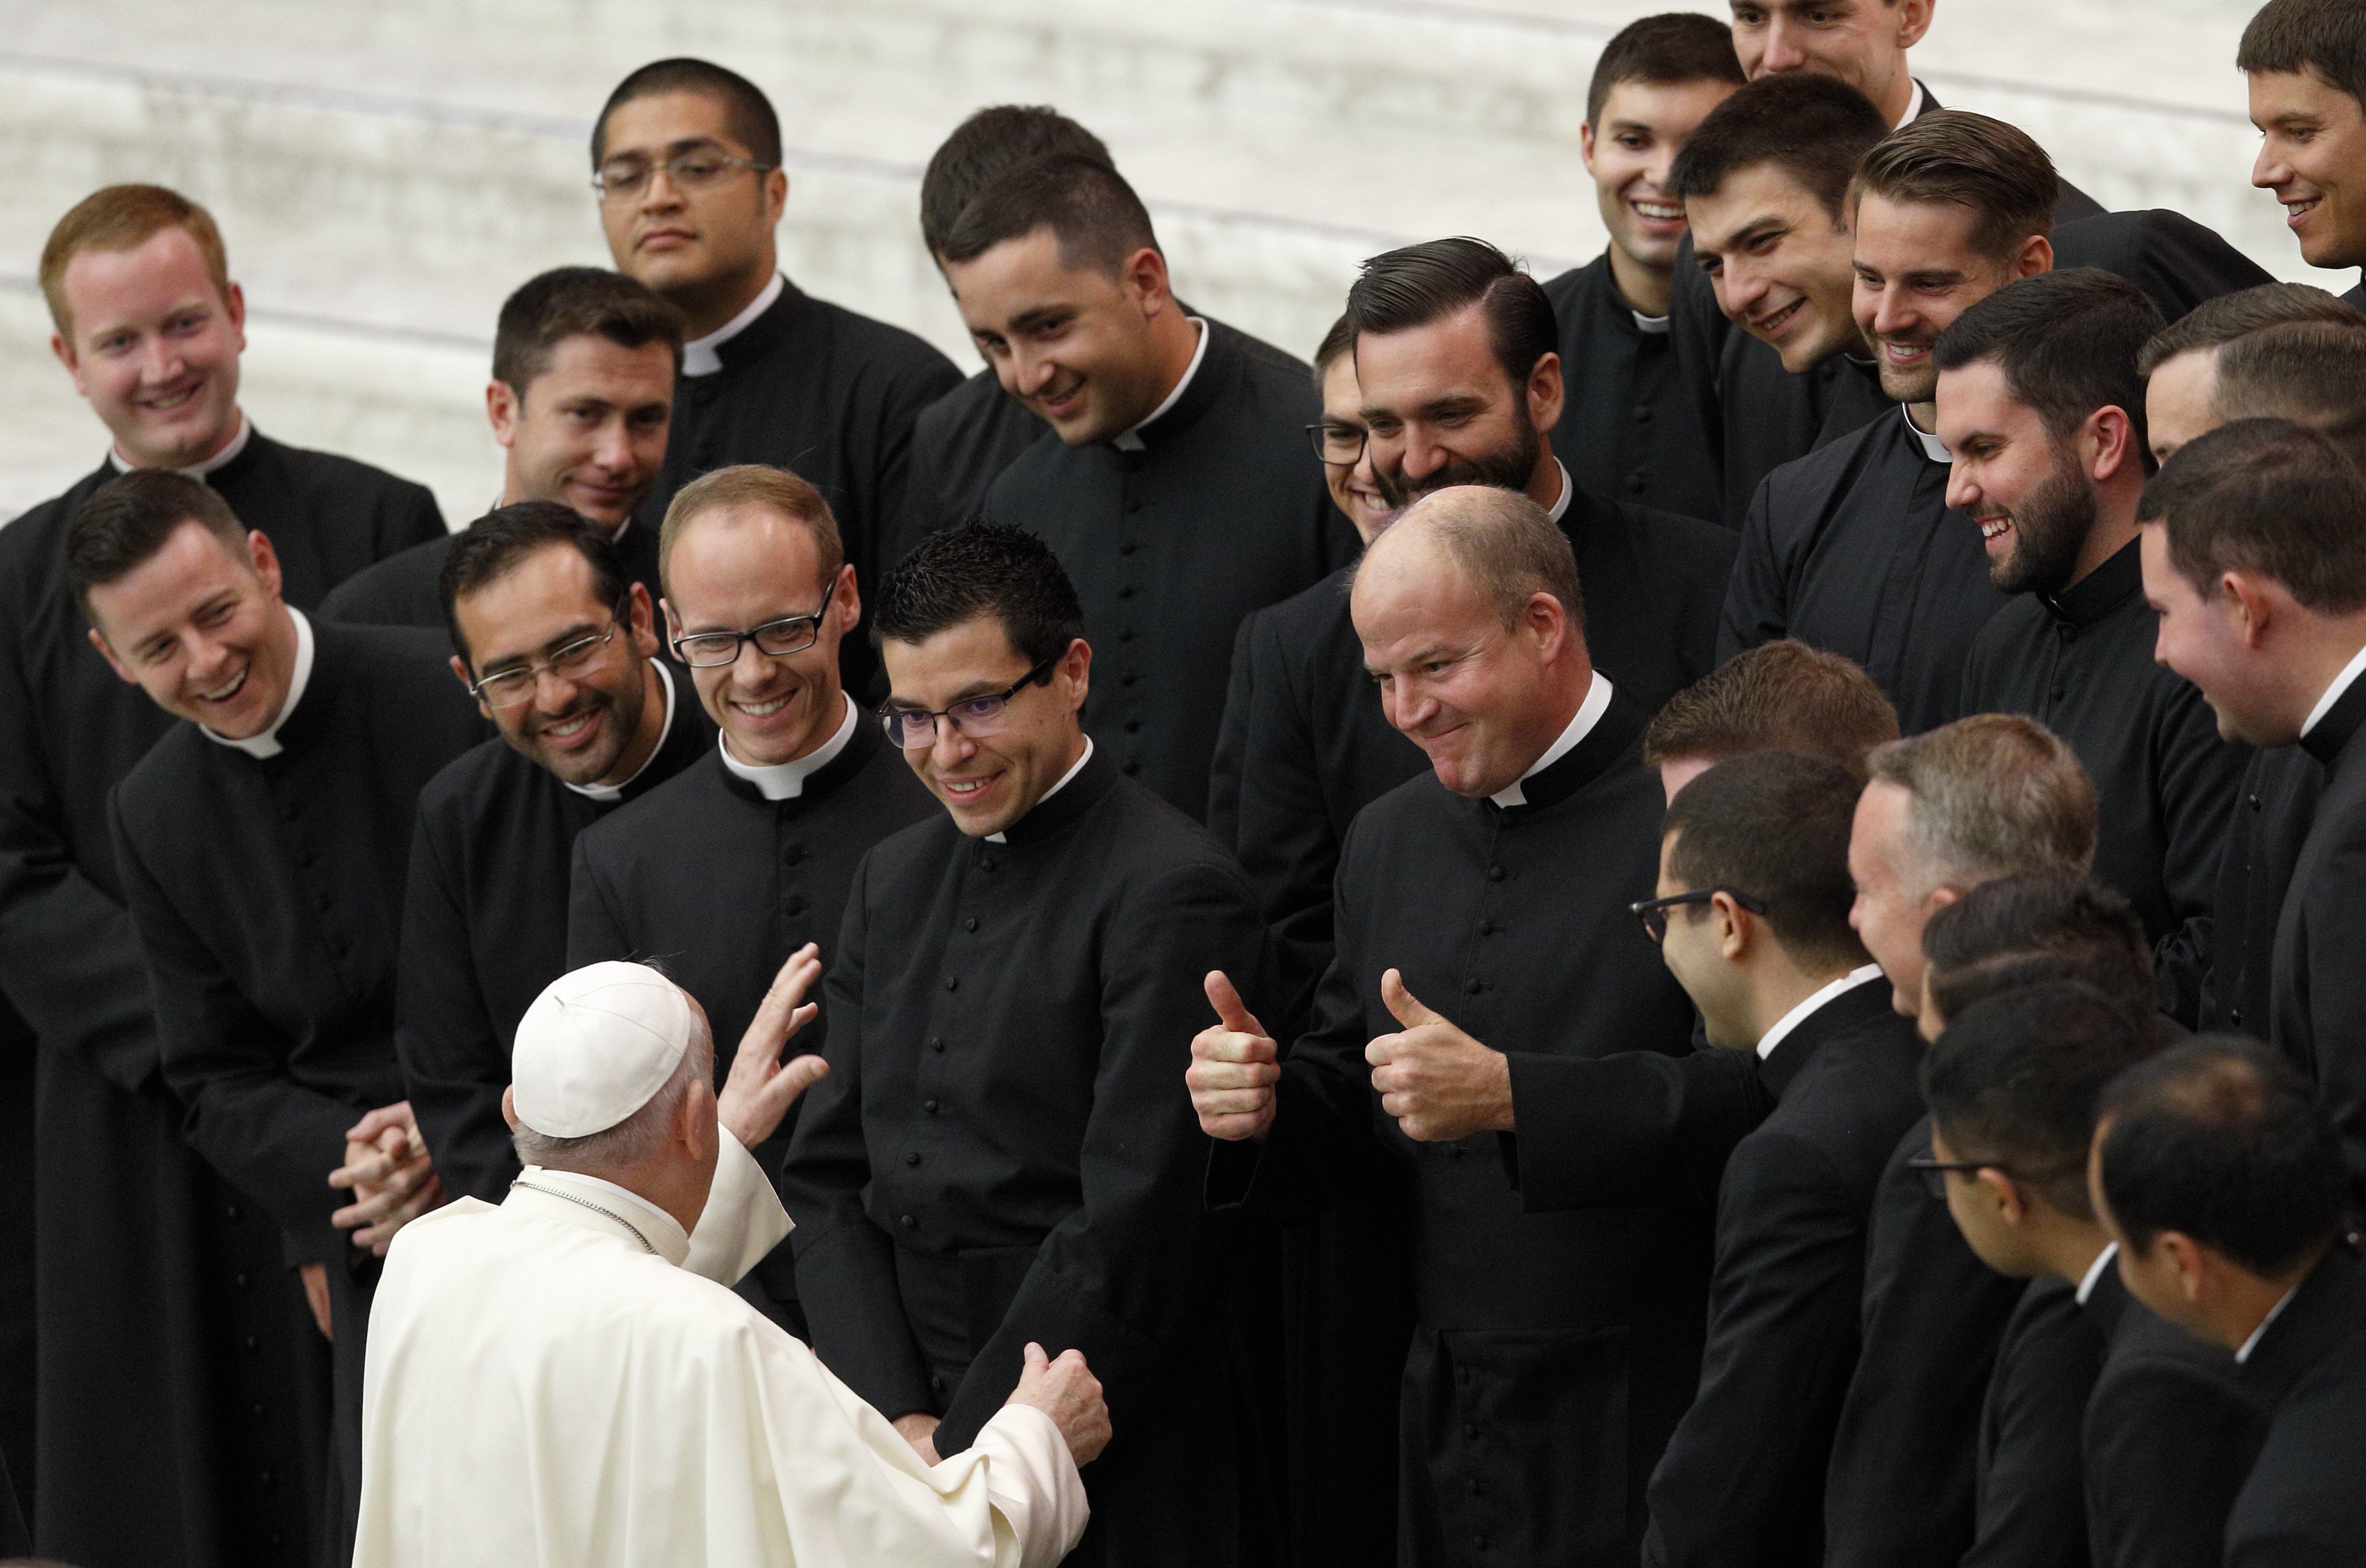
x: 595, y: 1046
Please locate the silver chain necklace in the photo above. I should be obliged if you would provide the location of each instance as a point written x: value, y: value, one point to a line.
x: 571, y: 1198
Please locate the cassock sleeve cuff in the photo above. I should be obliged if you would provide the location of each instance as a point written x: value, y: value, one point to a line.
x: 743, y: 1219
x: 1032, y: 1481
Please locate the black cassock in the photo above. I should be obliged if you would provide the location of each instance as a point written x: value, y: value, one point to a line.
x: 828, y: 394
x: 484, y: 929
x: 184, y: 1311
x: 1900, y: 1489
x: 2298, y: 1508
x: 1742, y: 1478
x: 720, y: 885
x: 2168, y: 1435
x: 267, y: 895
x: 2317, y: 1013
x: 1003, y: 1151
x: 2032, y: 1507
x: 2216, y: 975
x: 2081, y: 663
x: 403, y: 590
x: 1553, y: 1352
x: 1631, y: 428
x: 1221, y: 512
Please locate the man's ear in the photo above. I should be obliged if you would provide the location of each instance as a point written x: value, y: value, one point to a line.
x: 1913, y: 21
x: 2036, y: 256
x: 1144, y: 277
x: 1546, y: 392
x: 2254, y: 600
x: 642, y: 617
x: 1075, y: 672
x: 508, y: 1106
x: 2011, y: 1204
x: 1736, y: 929
x: 1939, y: 897
x: 265, y: 560
x: 2109, y: 439
x: 120, y: 668
x: 503, y: 407
x: 2187, y: 1259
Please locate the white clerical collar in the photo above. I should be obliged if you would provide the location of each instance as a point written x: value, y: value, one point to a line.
x: 1074, y: 769
x: 2274, y: 1313
x: 586, y: 1200
x: 264, y: 744
x: 1933, y: 447
x: 698, y: 355
x: 1914, y: 104
x: 1589, y: 714
x: 1650, y: 326
x: 1131, y: 440
x: 2341, y: 682
x: 616, y: 791
x: 220, y: 459
x: 1864, y: 973
x: 1560, y: 507
x: 786, y: 781
x: 2095, y: 1270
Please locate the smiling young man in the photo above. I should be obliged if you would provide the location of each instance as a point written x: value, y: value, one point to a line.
x: 1003, y: 1156
x: 2305, y: 63
x: 262, y: 844
x: 1635, y: 432
x: 746, y: 855
x: 1175, y: 483
x: 584, y: 362
x: 686, y: 158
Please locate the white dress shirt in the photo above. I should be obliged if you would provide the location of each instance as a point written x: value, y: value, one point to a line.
x: 2341, y: 682
x: 1864, y: 973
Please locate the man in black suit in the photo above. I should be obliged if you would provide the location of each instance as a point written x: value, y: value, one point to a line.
x: 2222, y: 1179
x: 2305, y: 63
x: 2255, y: 563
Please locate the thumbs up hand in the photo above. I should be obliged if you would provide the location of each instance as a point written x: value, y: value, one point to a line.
x: 1234, y: 1068
x: 1438, y: 1082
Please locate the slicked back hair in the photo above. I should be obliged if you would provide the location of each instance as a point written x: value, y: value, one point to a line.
x: 1414, y: 286
x: 1995, y: 794
x: 1774, y: 826
x: 577, y: 301
x: 2309, y: 372
x: 2267, y: 496
x: 1091, y: 211
x: 1665, y: 50
x: 1815, y: 128
x: 123, y: 218
x: 1953, y: 157
x: 1505, y: 545
x: 758, y: 484
x: 989, y: 142
x: 1779, y: 696
x: 491, y: 547
x: 2006, y: 934
x: 981, y: 569
x: 2017, y: 1079
x: 2220, y: 320
x: 129, y: 518
x: 2221, y: 1140
x: 747, y: 115
x: 2324, y: 37
x: 2067, y: 344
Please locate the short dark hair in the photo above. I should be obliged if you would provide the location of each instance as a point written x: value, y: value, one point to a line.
x: 2009, y: 933
x: 994, y: 139
x: 2221, y: 1140
x: 2222, y: 320
x: 1815, y: 129
x: 1774, y: 826
x: 748, y: 113
x: 2067, y: 341
x: 2016, y: 1081
x: 1781, y: 695
x: 2269, y: 496
x: 2309, y: 372
x: 127, y: 520
x: 494, y: 544
x: 1956, y: 157
x: 1339, y: 340
x: 1665, y: 50
x: 1095, y: 215
x: 577, y: 301
x: 2326, y: 37
x: 1414, y: 286
x: 981, y: 569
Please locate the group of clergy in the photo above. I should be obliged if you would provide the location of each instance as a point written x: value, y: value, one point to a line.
x: 1564, y: 937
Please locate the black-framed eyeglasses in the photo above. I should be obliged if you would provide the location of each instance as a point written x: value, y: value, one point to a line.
x: 914, y: 730
x: 1653, y: 912
x: 1337, y: 442
x: 694, y: 168
x: 1935, y: 1171
x: 514, y: 684
x: 774, y: 639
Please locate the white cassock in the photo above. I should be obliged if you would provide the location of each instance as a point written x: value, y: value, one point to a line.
x: 550, y: 1386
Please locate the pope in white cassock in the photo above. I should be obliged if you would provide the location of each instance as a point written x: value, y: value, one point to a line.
x: 566, y: 1380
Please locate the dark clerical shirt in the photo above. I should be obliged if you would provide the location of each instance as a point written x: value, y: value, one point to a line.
x: 2306, y: 1367
x: 1629, y: 427
x: 1003, y: 1151
x: 484, y: 929
x: 2031, y: 1509
x: 406, y: 590
x: 2081, y: 663
x: 1221, y: 510
x: 2218, y: 974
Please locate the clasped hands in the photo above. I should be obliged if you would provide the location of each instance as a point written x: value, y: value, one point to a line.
x: 1438, y: 1082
